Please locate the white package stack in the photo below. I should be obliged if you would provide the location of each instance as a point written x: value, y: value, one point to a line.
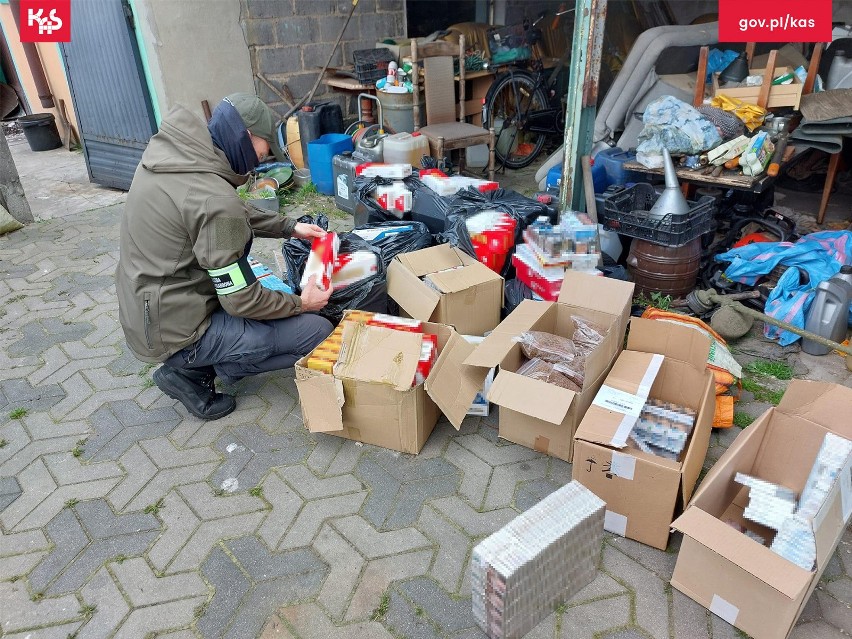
x: 539, y: 559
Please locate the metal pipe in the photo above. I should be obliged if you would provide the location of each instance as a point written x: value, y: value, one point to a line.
x: 33, y: 60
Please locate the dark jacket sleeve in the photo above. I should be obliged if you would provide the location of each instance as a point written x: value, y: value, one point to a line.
x: 269, y: 223
x: 222, y: 235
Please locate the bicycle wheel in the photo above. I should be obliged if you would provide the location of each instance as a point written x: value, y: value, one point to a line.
x: 510, y: 99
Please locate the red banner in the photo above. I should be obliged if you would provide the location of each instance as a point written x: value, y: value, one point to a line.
x: 774, y: 20
x: 45, y: 20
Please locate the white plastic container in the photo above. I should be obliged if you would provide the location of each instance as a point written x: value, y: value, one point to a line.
x: 406, y: 148
x: 840, y: 73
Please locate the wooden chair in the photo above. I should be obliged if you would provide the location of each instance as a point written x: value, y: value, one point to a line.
x: 445, y: 131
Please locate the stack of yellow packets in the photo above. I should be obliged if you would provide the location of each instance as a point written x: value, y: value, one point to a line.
x: 324, y: 357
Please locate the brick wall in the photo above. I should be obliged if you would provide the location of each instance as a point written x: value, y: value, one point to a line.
x: 290, y: 40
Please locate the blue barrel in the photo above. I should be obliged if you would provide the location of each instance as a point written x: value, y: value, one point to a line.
x: 321, y: 152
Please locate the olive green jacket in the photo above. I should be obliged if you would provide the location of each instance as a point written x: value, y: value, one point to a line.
x: 182, y: 219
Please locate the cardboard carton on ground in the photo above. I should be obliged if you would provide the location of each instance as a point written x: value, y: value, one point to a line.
x: 534, y: 413
x: 643, y: 492
x: 731, y: 574
x: 370, y: 399
x: 469, y: 299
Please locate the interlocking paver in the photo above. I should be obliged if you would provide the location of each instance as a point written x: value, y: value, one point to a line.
x: 651, y: 600
x: 110, y: 606
x: 60, y: 496
x: 207, y: 534
x: 139, y: 470
x: 68, y: 469
x: 311, y: 623
x: 165, y: 480
x: 179, y: 523
x: 314, y: 513
x: 379, y: 574
x: 449, y: 614
x: 285, y: 506
x: 476, y: 473
x: 143, y: 587
x: 408, y: 621
x: 62, y: 631
x: 158, y: 618
x: 230, y: 584
x: 37, y: 485
x: 18, y: 612
x: 345, y: 568
x: 10, y: 490
x: 309, y: 486
x: 475, y: 524
x: 501, y: 489
x: 452, y: 548
x: 372, y: 544
x: 120, y: 424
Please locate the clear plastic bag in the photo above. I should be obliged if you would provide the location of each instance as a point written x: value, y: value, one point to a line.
x: 539, y: 369
x: 574, y: 370
x: 551, y: 348
x: 587, y: 336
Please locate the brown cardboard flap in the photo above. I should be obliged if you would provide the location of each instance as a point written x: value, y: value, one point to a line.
x: 670, y: 339
x: 492, y: 351
x: 452, y: 384
x: 435, y: 258
x: 598, y: 293
x: 699, y: 441
x: 823, y: 403
x: 769, y: 567
x: 317, y: 394
x: 412, y: 295
x: 380, y: 355
x: 531, y: 397
x: 463, y: 278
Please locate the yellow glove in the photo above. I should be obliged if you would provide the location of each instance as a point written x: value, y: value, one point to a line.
x: 751, y: 114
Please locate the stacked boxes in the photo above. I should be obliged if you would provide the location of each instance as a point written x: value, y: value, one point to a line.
x: 548, y: 250
x: 541, y: 558
x: 492, y: 234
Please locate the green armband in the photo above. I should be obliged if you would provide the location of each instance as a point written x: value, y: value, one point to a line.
x: 232, y: 278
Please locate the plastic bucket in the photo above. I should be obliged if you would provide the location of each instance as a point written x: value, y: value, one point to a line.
x: 40, y: 131
x: 321, y: 152
x: 398, y: 111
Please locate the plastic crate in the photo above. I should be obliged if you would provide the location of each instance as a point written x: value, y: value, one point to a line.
x: 372, y: 64
x: 509, y: 44
x: 626, y: 208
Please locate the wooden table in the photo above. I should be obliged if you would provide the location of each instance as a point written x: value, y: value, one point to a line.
x: 728, y: 179
x: 351, y: 85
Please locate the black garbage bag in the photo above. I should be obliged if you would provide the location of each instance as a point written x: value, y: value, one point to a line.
x: 367, y: 210
x: 515, y: 292
x: 370, y: 294
x: 429, y: 207
x: 410, y: 236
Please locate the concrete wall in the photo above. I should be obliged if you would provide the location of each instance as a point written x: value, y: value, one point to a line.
x: 289, y: 41
x: 54, y: 69
x: 195, y: 50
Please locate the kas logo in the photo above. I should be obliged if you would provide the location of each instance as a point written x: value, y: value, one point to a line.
x: 45, y: 20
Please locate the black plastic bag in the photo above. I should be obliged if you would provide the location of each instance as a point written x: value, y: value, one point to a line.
x: 415, y: 239
x: 368, y: 294
x: 430, y: 208
x: 367, y: 210
x: 515, y: 292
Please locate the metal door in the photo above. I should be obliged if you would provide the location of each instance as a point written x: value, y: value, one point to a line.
x: 108, y: 88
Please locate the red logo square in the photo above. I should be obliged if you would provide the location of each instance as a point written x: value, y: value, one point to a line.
x: 45, y: 20
x: 775, y: 21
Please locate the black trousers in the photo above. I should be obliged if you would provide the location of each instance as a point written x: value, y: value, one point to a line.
x: 237, y: 347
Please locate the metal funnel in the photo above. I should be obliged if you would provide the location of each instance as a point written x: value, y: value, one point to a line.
x: 671, y: 200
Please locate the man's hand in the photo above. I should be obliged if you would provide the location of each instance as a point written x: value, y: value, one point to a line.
x: 313, y: 298
x: 304, y: 231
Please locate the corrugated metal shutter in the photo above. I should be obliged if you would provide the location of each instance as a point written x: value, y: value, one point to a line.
x: 109, y: 91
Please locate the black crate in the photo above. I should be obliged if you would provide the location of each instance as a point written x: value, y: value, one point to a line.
x: 372, y: 64
x: 626, y: 213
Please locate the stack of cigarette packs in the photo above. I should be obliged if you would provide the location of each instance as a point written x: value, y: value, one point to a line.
x: 325, y: 356
x: 663, y: 428
x: 541, y: 558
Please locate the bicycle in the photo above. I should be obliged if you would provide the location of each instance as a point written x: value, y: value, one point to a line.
x: 522, y: 105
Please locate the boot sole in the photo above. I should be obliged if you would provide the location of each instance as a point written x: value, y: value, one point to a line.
x: 164, y: 386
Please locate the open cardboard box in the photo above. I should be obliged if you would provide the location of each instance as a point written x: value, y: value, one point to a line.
x: 644, y: 491
x: 537, y: 414
x: 734, y: 576
x: 472, y: 295
x: 368, y: 401
x: 780, y: 95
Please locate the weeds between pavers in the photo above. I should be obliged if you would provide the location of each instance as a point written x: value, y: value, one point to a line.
x: 742, y: 420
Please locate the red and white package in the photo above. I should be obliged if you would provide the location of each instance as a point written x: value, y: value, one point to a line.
x: 350, y: 268
x: 378, y: 169
x: 396, y: 323
x: 321, y: 261
x: 428, y: 355
x: 395, y: 198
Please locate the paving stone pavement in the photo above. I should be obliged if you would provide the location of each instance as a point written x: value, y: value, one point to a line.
x: 123, y: 516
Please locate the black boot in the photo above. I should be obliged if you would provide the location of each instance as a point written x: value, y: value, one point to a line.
x: 195, y: 389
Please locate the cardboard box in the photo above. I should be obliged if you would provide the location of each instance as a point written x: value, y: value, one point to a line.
x: 361, y: 401
x: 480, y: 406
x: 643, y: 492
x: 472, y: 296
x: 780, y: 95
x: 734, y: 576
x: 534, y: 413
x: 400, y: 50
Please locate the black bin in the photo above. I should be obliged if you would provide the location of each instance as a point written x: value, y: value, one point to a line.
x: 40, y: 131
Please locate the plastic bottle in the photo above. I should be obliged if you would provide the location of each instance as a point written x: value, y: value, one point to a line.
x: 840, y: 73
x: 405, y: 148
x: 828, y: 315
